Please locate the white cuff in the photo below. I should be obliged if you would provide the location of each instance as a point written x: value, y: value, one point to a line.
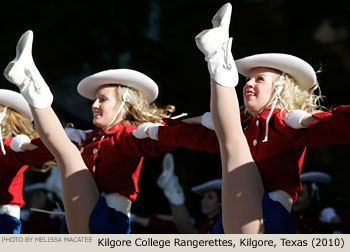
x: 207, y: 121
x: 153, y: 131
x: 76, y: 135
x: 294, y: 119
x: 18, y: 141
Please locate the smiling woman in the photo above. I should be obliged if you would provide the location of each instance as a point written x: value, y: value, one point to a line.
x: 263, y: 163
x: 258, y: 89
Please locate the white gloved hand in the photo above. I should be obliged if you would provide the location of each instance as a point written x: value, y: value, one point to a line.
x: 76, y: 135
x: 147, y: 130
x: 207, y: 121
x: 295, y: 118
x: 18, y: 141
x: 169, y: 182
x: 216, y: 45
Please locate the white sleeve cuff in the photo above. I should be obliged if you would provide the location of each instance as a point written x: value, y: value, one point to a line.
x: 153, y: 131
x: 18, y: 141
x: 294, y: 119
x: 207, y: 121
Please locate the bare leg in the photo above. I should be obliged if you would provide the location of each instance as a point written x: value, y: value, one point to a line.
x: 242, y: 188
x: 80, y: 192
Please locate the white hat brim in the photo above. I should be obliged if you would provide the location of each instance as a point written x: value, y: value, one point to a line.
x: 15, y: 101
x: 210, y: 185
x: 127, y: 77
x: 300, y: 70
x: 318, y: 177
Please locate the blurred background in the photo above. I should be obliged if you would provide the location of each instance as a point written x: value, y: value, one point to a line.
x: 73, y: 39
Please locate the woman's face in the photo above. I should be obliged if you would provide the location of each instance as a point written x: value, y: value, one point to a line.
x: 210, y: 204
x: 104, y: 107
x: 258, y: 89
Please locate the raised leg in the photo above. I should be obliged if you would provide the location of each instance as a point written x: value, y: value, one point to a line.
x: 80, y: 192
x: 242, y: 188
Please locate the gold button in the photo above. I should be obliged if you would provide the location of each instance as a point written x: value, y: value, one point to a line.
x: 82, y: 150
x: 257, y: 123
x: 94, y: 139
x: 255, y: 142
x: 94, y: 151
x: 94, y: 168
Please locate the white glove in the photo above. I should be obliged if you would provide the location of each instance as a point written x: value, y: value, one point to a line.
x: 295, y: 118
x: 207, y: 121
x: 18, y: 141
x: 147, y: 130
x: 169, y: 182
x: 216, y: 45
x: 76, y: 135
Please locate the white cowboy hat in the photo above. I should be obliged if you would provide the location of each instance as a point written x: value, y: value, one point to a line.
x: 127, y: 77
x: 318, y: 177
x: 15, y: 101
x: 299, y: 69
x: 210, y: 185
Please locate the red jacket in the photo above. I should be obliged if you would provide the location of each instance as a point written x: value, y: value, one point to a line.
x: 12, y: 168
x: 280, y: 159
x: 114, y: 157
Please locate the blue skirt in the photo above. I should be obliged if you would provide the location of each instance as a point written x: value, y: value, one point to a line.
x: 277, y: 220
x: 9, y: 224
x: 105, y: 220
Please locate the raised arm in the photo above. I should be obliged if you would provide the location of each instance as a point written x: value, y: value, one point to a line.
x: 172, y: 190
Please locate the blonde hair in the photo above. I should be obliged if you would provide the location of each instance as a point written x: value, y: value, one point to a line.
x: 15, y: 123
x: 138, y: 110
x: 294, y: 97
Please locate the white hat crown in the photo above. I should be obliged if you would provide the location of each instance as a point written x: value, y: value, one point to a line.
x: 127, y: 77
x: 301, y: 71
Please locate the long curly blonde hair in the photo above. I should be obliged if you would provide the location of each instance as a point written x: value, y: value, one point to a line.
x: 138, y: 110
x: 15, y: 123
x: 293, y: 97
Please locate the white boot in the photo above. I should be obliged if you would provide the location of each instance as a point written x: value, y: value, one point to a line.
x: 216, y: 45
x: 23, y: 73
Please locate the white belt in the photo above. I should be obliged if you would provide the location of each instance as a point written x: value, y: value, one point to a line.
x: 12, y: 210
x: 282, y: 197
x: 118, y: 202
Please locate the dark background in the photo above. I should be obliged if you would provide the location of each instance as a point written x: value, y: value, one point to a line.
x: 73, y: 39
